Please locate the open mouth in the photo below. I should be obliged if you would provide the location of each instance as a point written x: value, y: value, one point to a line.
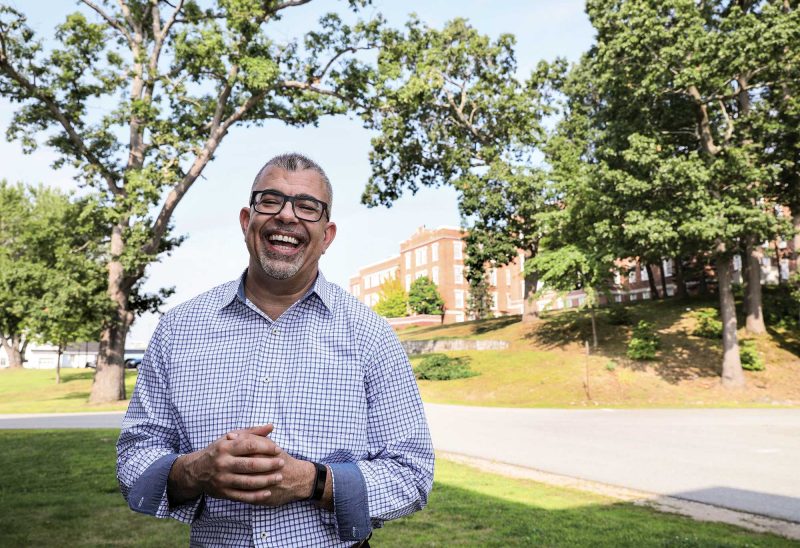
x: 283, y: 243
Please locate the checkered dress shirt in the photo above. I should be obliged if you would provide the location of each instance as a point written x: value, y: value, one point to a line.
x: 329, y: 374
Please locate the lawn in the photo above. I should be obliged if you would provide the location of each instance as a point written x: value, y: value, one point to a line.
x: 58, y: 487
x: 547, y: 366
x: 36, y: 391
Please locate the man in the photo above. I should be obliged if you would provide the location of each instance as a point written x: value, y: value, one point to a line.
x: 277, y: 410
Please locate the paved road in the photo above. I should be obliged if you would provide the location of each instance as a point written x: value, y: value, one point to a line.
x: 745, y: 459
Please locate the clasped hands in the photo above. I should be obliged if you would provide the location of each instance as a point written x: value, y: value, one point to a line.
x: 245, y: 466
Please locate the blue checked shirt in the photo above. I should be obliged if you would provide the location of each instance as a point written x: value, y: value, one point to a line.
x: 329, y: 374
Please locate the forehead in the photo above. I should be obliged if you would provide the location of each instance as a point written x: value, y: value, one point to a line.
x: 306, y: 181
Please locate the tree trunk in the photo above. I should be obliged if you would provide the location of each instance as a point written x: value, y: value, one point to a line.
x: 663, y: 271
x: 732, y: 373
x: 796, y: 238
x: 530, y: 311
x: 745, y: 277
x: 109, y: 377
x: 680, y: 281
x: 15, y: 350
x: 755, y: 316
x: 58, y: 364
x: 594, y: 327
x: 651, y: 281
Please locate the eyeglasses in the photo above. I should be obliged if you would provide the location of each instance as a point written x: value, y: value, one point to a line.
x: 271, y: 202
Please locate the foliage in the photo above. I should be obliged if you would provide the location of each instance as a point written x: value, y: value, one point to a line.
x: 51, y: 266
x: 453, y: 112
x: 751, y: 359
x: 172, y: 81
x: 440, y: 367
x: 424, y: 297
x: 708, y: 323
x: 619, y: 315
x: 782, y: 303
x: 644, y: 342
x: 479, y: 298
x: 393, y: 300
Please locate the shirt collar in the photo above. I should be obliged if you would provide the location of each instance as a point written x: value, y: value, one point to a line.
x: 322, y: 288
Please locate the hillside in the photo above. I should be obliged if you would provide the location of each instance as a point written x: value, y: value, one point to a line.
x: 546, y: 363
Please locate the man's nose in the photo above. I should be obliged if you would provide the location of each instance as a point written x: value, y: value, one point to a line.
x: 286, y: 213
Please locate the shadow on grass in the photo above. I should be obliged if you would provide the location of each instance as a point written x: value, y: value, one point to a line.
x: 86, y: 375
x: 58, y: 488
x: 460, y: 517
x: 75, y: 396
x: 681, y: 357
x: 787, y: 340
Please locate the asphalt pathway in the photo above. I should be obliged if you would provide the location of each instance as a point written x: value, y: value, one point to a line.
x: 743, y: 459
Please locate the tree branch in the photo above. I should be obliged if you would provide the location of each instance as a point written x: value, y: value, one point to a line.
x: 110, y: 20
x: 36, y: 93
x: 289, y: 4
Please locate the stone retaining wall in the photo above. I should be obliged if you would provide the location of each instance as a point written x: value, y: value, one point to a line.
x: 413, y: 348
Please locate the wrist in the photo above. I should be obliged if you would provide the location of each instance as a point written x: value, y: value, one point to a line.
x: 320, y: 476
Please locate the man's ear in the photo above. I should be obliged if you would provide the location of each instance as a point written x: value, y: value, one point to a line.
x: 328, y: 236
x: 244, y: 219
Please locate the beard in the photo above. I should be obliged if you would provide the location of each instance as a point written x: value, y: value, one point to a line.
x: 279, y: 266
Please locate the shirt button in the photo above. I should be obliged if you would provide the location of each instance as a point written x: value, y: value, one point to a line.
x: 265, y: 379
x: 264, y: 535
x: 275, y: 330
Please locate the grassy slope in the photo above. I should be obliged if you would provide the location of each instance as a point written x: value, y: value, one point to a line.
x: 63, y: 492
x: 546, y: 364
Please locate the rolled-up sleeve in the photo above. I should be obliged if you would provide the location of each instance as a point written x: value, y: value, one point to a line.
x: 398, y: 472
x: 149, y: 443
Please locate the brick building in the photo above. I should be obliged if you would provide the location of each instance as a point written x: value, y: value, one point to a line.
x: 439, y: 255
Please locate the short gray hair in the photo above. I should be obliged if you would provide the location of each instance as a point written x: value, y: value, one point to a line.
x: 294, y: 161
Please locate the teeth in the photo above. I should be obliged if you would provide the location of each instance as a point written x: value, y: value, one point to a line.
x: 282, y: 238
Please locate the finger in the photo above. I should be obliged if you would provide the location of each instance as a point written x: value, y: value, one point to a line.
x: 251, y: 482
x: 256, y: 465
x: 260, y: 497
x: 248, y: 444
x: 262, y: 430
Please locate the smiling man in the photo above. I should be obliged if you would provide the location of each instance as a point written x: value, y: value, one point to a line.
x: 277, y: 410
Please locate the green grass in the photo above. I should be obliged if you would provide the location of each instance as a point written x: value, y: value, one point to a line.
x: 36, y: 391
x: 58, y: 488
x: 546, y: 364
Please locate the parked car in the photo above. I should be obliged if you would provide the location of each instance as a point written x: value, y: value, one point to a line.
x: 91, y: 364
x: 132, y: 363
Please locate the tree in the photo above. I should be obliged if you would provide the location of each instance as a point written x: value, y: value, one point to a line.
x: 453, y: 112
x: 479, y: 299
x: 676, y: 93
x: 393, y: 300
x: 424, y: 297
x: 51, y: 268
x: 175, y: 80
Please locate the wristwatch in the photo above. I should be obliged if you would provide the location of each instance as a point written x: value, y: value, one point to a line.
x: 319, y: 481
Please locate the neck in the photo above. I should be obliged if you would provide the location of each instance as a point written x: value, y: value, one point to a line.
x: 273, y: 296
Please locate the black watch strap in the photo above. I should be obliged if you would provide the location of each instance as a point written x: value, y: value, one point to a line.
x: 319, y: 481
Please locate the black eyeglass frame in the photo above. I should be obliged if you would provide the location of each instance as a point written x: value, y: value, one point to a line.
x: 290, y: 199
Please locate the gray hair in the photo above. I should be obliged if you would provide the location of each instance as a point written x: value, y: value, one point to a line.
x: 294, y: 161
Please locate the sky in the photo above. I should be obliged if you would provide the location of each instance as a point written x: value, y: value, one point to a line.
x: 214, y: 250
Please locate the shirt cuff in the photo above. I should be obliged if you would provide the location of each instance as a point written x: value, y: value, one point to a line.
x: 350, y: 502
x: 149, y: 494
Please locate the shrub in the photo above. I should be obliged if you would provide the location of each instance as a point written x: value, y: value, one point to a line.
x: 611, y: 365
x: 619, y: 315
x: 644, y: 343
x: 439, y: 367
x: 708, y: 324
x: 751, y: 359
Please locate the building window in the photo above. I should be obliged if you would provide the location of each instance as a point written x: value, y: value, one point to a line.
x: 408, y: 282
x: 420, y: 274
x: 421, y: 255
x: 435, y: 274
x: 366, y: 282
x: 643, y: 273
x: 617, y: 298
x: 632, y: 276
x: 784, y: 269
x: 645, y: 295
x: 459, y: 298
x: 493, y: 277
x: 356, y: 290
x: 521, y: 263
x: 458, y: 274
x: 617, y: 278
x: 434, y: 252
x: 459, y: 317
x: 667, y: 268
x: 457, y: 250
x: 737, y: 263
x: 408, y: 261
x: 494, y: 300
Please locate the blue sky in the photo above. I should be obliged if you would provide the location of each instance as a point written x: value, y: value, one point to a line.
x: 214, y: 251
